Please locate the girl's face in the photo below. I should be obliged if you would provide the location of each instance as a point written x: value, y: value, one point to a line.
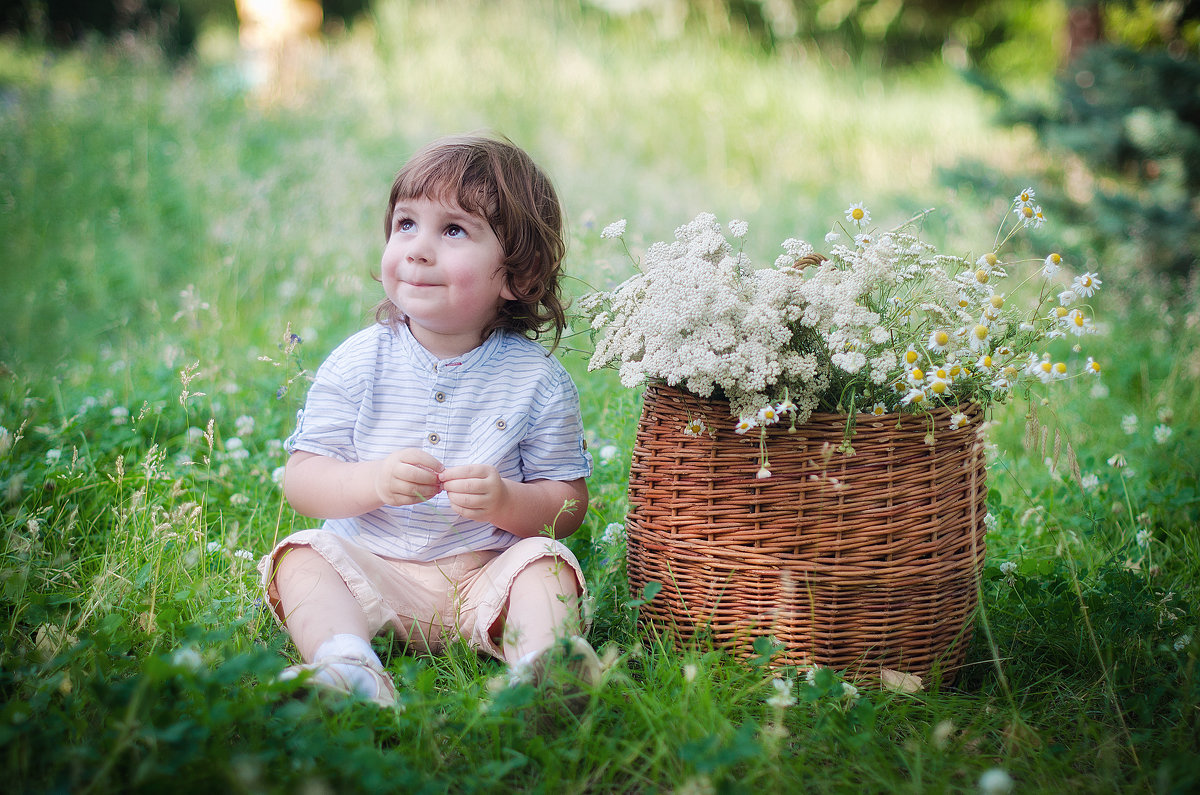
x: 442, y: 267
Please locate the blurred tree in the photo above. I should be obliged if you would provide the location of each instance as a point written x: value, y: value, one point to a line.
x: 1127, y: 107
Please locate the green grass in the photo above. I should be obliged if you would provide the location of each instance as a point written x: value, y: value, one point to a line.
x: 163, y: 229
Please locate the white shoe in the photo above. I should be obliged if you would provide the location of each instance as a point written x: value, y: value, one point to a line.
x: 362, y: 679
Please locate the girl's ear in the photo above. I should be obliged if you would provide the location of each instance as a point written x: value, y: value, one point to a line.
x: 506, y: 291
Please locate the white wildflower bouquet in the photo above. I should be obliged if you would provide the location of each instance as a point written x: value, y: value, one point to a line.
x: 880, y: 323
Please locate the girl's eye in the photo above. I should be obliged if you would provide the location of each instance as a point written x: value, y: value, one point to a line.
x: 454, y: 230
x: 403, y: 224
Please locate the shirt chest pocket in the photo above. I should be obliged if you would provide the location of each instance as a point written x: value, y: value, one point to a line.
x: 495, y: 439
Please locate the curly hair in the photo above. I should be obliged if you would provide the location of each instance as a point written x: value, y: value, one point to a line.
x: 493, y: 178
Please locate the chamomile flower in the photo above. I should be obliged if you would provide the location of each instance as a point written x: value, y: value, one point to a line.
x: 915, y: 376
x: 1024, y: 198
x: 980, y: 337
x: 879, y: 409
x: 785, y: 406
x: 744, y: 424
x: 1086, y: 284
x: 615, y: 229
x: 914, y: 397
x: 1067, y: 297
x: 1039, y: 217
x: 984, y: 363
x: 1077, y: 323
x: 768, y: 415
x: 858, y: 215
x: 763, y: 473
x: 1051, y: 265
x: 911, y: 356
x: 939, y: 381
x: 1025, y: 213
x: 1091, y: 366
x: 958, y: 420
x: 694, y: 427
x: 939, y: 340
x: 863, y: 240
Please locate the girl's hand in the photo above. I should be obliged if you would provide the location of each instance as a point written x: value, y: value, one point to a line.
x: 407, y: 476
x: 476, y: 491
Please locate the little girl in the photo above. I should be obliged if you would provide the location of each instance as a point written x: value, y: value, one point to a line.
x: 443, y: 446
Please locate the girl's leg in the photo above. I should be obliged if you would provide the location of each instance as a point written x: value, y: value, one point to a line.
x: 328, y: 627
x: 315, y: 602
x: 543, y: 606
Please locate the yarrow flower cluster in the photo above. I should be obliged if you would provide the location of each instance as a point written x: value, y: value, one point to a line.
x: 882, y: 325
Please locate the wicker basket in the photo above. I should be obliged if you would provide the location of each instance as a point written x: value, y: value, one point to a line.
x: 858, y: 563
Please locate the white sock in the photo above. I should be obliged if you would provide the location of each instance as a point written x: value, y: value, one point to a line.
x: 356, y: 648
x: 348, y: 645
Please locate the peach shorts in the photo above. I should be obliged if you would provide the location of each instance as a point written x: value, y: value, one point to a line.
x: 427, y: 604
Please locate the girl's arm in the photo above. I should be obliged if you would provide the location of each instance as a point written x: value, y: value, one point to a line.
x: 524, y: 509
x: 327, y: 488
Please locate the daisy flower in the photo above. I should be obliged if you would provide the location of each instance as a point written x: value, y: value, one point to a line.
x: 694, y: 427
x: 980, y: 337
x: 768, y: 415
x: 858, y: 215
x: 938, y: 341
x: 744, y: 424
x: 1086, y: 284
x: 1051, y: 265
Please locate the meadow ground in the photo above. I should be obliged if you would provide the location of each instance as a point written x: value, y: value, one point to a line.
x: 167, y: 230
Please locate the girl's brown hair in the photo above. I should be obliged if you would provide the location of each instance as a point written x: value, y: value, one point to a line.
x: 495, y: 179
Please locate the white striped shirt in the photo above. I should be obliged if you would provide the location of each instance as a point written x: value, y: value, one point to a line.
x: 507, y: 403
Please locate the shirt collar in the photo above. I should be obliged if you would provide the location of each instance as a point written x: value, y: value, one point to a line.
x: 421, y: 355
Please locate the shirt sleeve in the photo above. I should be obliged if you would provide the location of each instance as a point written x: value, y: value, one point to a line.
x: 326, y: 424
x: 554, y: 447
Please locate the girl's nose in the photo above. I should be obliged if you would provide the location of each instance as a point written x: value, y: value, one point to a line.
x: 419, y: 249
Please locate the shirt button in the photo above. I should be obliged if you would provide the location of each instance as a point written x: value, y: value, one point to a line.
x: 433, y: 438
x: 440, y: 397
x: 501, y: 424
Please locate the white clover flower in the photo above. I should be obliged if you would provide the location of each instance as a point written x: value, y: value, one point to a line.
x: 1090, y: 481
x: 614, y: 533
x: 850, y: 693
x: 244, y: 425
x: 53, y: 456
x: 1143, y: 537
x: 995, y: 781
x: 615, y: 229
x: 783, y: 697
x: 188, y: 658
x: 1086, y: 284
x: 1008, y: 568
x: 239, y: 499
x: 689, y: 672
x: 1165, y: 414
x: 607, y: 453
x: 1182, y: 642
x: 243, y: 554
x: 277, y: 475
x: 212, y: 546
x: 738, y: 229
x: 194, y: 433
x: 858, y: 215
x: 1117, y: 461
x: 1129, y: 424
x: 119, y: 415
x: 1162, y: 433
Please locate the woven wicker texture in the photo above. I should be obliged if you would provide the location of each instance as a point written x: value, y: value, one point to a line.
x: 857, y: 563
